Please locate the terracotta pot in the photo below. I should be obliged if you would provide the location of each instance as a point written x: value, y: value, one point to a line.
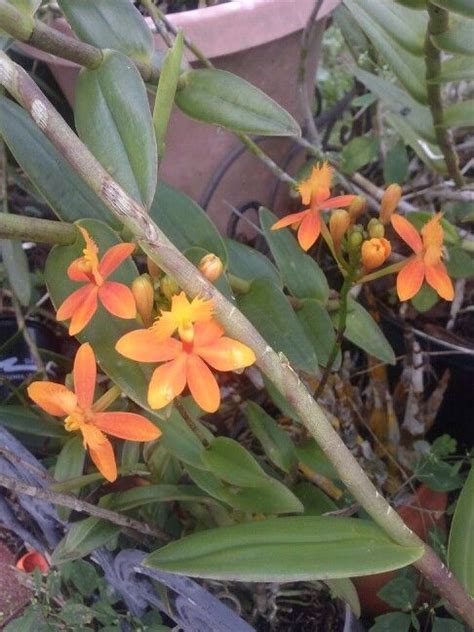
x: 258, y: 40
x: 414, y: 513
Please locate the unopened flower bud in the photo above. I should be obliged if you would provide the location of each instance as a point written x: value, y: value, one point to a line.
x: 355, y: 240
x: 211, y: 267
x: 168, y: 286
x: 153, y: 269
x: 389, y: 203
x: 374, y: 252
x: 143, y: 293
x: 357, y: 207
x: 376, y: 228
x: 338, y: 224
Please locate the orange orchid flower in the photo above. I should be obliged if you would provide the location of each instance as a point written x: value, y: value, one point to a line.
x: 315, y: 192
x: 117, y: 298
x: 181, y: 317
x: 186, y: 362
x: 85, y: 416
x: 426, y: 263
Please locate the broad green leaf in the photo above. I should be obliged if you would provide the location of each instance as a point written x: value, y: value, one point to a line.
x: 249, y: 264
x: 82, y: 538
x: 16, y: 266
x: 461, y: 536
x: 407, y: 27
x: 185, y: 223
x: 313, y: 457
x: 69, y: 464
x: 395, y: 166
x: 319, y: 329
x: 233, y: 464
x: 460, y: 114
x: 441, y: 624
x: 344, y: 589
x: 399, y: 102
x: 166, y: 91
x: 457, y: 40
x: 437, y: 474
x: 419, y: 219
x: 401, y: 592
x: 457, y: 68
x: 398, y: 621
x: 151, y: 494
x: 353, y: 35
x: 285, y: 549
x: 413, y: 4
x: 425, y: 299
x: 275, y: 442
x: 103, y: 331
x: 222, y: 98
x: 430, y: 154
x: 178, y: 438
x: 82, y: 575
x: 60, y: 186
x: 300, y: 273
x: 115, y: 24
x: 315, y: 501
x: 460, y: 264
x: 269, y: 311
x: 20, y: 419
x: 407, y: 67
x: 359, y: 152
x: 463, y: 7
x: 113, y: 119
x: 363, y: 331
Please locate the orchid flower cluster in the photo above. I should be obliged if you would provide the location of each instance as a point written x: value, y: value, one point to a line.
x: 186, y: 340
x: 358, y: 250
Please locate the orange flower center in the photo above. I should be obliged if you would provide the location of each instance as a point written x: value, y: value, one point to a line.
x: 77, y: 419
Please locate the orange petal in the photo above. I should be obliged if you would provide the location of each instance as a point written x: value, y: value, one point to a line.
x: 73, y: 302
x: 309, y: 230
x: 114, y: 257
x: 104, y: 459
x: 85, y: 373
x: 437, y: 277
x: 410, y: 279
x: 293, y: 218
x: 84, y: 312
x: 142, y: 345
x: 126, y: 426
x: 76, y: 272
x: 207, y: 332
x: 226, y: 354
x: 54, y: 398
x: 167, y: 382
x: 340, y: 201
x: 164, y: 326
x: 407, y: 232
x: 202, y: 384
x: 118, y: 299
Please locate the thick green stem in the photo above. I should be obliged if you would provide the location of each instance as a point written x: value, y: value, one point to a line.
x: 155, y: 244
x: 439, y: 23
x: 43, y: 231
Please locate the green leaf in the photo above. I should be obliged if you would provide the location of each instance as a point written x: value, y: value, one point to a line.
x: 20, y: 419
x: 395, y: 166
x: 178, y: 438
x: 359, y: 152
x: 463, y: 7
x: 425, y: 299
x: 113, y: 119
x: 401, y: 592
x: 437, y: 474
x: 460, y: 264
x: 249, y: 264
x: 413, y: 4
x: 16, y: 267
x: 457, y: 40
x: 447, y: 625
x: 60, y: 186
x: 269, y: 311
x: 419, y: 219
x: 232, y: 463
x: 319, y: 329
x: 429, y: 153
x: 222, y: 98
x: 103, y: 331
x: 392, y: 621
x: 69, y: 464
x: 457, y: 68
x: 407, y: 67
x: 285, y: 549
x: 315, y: 501
x: 300, y: 273
x: 363, y: 331
x: 311, y: 455
x: 275, y: 442
x: 105, y: 24
x: 166, y: 91
x: 460, y: 114
x: 399, y: 102
x: 280, y: 400
x: 82, y: 538
x: 152, y: 494
x: 82, y: 575
x: 344, y: 589
x: 461, y: 536
x: 185, y: 223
